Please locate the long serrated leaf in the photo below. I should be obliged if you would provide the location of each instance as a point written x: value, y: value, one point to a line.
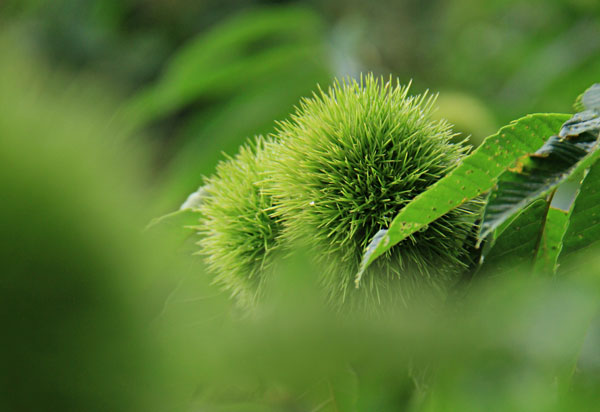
x: 551, y: 242
x: 584, y: 223
x: 476, y: 174
x: 491, y: 240
x: 536, y: 174
x: 518, y: 243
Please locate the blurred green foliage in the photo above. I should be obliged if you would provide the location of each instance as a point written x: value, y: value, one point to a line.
x: 77, y: 292
x: 191, y: 68
x: 247, y: 72
x: 201, y: 87
x: 517, y: 56
x: 98, y: 314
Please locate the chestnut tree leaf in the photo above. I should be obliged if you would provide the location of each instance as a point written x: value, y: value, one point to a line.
x: 518, y: 243
x: 536, y: 174
x: 551, y: 243
x: 475, y: 175
x: 584, y: 222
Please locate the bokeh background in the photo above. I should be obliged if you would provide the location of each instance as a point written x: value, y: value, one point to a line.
x: 199, y: 77
x: 111, y: 111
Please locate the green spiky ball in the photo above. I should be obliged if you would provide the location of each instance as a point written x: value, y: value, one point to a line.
x: 239, y: 234
x: 349, y: 160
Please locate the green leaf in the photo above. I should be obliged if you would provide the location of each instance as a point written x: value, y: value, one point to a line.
x: 534, y: 176
x: 519, y: 242
x: 526, y: 243
x: 491, y: 240
x: 476, y: 174
x: 571, y: 151
x: 247, y: 47
x: 584, y: 227
x: 552, y: 240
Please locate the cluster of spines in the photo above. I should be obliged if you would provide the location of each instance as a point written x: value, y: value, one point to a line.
x: 334, y: 174
x: 239, y: 235
x: 350, y: 159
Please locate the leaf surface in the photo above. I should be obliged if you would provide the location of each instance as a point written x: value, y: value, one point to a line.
x: 476, y: 174
x: 551, y: 242
x: 533, y: 177
x: 517, y: 245
x: 584, y: 227
x: 571, y: 151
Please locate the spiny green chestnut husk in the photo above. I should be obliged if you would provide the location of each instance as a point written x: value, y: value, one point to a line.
x: 348, y: 161
x: 239, y: 234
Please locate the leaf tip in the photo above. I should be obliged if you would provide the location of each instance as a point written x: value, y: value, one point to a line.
x: 371, y: 254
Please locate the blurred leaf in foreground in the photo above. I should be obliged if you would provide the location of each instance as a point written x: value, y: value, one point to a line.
x: 79, y: 283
